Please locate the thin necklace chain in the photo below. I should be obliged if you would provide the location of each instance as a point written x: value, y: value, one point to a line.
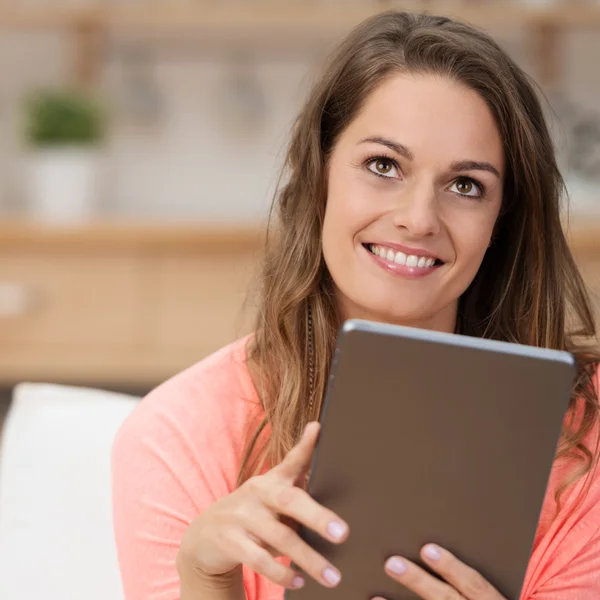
x: 311, y: 363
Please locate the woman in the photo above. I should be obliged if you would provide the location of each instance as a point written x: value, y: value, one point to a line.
x: 422, y: 189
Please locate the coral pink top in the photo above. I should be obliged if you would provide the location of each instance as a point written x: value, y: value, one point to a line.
x: 180, y: 451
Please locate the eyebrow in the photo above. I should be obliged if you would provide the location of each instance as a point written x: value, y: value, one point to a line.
x: 456, y: 167
x: 474, y: 165
x: 397, y: 147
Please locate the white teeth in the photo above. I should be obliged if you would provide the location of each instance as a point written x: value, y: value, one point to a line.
x: 420, y: 262
x: 412, y: 261
x: 400, y: 258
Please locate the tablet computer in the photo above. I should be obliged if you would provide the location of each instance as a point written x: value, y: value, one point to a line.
x: 434, y: 437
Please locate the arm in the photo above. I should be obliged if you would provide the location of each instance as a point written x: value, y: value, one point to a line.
x: 167, y: 470
x: 183, y: 528
x: 196, y: 587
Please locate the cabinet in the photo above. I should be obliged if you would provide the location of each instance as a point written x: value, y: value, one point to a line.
x: 123, y: 306
x: 130, y: 306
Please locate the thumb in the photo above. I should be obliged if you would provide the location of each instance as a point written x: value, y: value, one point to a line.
x: 297, y: 463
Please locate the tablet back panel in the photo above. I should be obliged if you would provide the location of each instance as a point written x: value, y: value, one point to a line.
x: 430, y: 437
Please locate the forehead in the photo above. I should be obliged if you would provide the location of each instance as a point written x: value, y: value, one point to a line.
x: 437, y: 118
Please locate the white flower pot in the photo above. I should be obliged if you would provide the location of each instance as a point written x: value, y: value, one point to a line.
x: 63, y: 184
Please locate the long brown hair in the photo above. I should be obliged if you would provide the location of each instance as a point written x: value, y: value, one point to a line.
x: 528, y: 289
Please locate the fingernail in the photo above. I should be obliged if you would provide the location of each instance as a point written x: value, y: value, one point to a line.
x: 432, y: 552
x: 396, y: 565
x: 298, y: 582
x: 336, y: 530
x: 331, y: 576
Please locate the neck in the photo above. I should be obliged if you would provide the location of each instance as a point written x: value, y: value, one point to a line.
x: 444, y: 320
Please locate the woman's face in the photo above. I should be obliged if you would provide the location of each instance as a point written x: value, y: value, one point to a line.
x: 414, y: 191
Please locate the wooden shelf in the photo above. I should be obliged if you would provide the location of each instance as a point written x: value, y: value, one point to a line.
x: 142, y: 237
x: 284, y: 21
x: 583, y: 234
x: 289, y: 15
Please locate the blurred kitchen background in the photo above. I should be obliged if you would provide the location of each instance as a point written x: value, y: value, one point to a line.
x: 140, y: 142
x: 139, y: 147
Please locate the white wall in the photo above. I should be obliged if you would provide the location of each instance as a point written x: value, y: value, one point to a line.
x: 198, y: 160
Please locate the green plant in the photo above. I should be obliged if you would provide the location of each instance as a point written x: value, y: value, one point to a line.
x: 63, y: 117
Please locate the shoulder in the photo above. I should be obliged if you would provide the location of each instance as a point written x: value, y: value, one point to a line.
x: 591, y: 439
x: 205, y: 410
x: 581, y: 498
x: 567, y: 542
x: 220, y: 384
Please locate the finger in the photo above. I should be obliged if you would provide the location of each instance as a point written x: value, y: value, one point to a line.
x: 272, y: 551
x: 298, y: 505
x: 419, y: 581
x: 465, y: 579
x: 261, y: 562
x: 303, y: 478
x: 288, y: 543
x: 297, y: 462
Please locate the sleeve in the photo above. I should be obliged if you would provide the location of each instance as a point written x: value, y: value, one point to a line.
x: 571, y: 568
x: 579, y: 579
x: 165, y: 473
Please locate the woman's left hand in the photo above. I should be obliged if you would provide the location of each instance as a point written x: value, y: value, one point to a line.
x: 461, y: 582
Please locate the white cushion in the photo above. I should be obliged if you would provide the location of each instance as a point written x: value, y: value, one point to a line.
x: 56, y: 533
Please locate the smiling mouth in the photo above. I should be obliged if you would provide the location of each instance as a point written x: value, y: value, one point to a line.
x: 401, y: 258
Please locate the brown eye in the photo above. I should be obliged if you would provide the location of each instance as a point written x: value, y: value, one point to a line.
x: 464, y: 186
x: 382, y: 167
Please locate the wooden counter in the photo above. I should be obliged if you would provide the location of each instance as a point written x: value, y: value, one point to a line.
x: 131, y: 237
x: 583, y: 234
x: 131, y: 305
x: 122, y: 305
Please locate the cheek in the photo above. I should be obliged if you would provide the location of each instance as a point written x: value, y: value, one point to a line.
x: 472, y: 240
x: 343, y: 220
x: 351, y: 203
x: 338, y: 219
x: 335, y: 229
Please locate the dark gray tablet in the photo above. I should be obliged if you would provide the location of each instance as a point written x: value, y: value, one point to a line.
x: 432, y: 437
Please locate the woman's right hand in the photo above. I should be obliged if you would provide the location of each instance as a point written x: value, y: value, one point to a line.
x: 246, y: 526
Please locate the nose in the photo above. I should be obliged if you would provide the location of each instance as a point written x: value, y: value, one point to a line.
x: 417, y: 211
